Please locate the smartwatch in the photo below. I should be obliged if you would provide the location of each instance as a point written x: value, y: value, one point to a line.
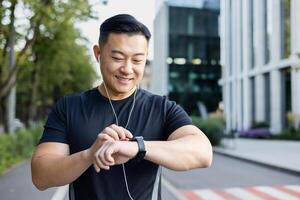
x: 141, y: 148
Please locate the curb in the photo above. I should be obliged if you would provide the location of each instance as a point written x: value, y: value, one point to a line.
x: 278, y: 168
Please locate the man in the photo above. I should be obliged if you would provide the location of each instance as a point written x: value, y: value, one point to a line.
x: 109, y: 142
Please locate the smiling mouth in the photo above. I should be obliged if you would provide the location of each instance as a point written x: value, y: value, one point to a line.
x: 123, y: 78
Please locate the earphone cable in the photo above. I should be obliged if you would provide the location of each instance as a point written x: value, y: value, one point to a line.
x: 117, y: 122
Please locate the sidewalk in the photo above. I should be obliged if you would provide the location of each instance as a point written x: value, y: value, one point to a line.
x: 280, y: 154
x: 17, y: 184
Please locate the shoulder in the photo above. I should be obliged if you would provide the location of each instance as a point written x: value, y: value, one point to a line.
x: 80, y: 96
x: 158, y: 102
x: 77, y: 98
x: 148, y: 96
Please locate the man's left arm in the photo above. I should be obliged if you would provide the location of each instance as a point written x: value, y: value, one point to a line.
x: 186, y: 148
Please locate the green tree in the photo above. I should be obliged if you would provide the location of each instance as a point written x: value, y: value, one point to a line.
x: 50, y: 60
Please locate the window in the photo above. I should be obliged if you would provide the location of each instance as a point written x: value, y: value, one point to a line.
x: 267, y: 97
x: 212, y: 26
x: 252, y: 64
x: 190, y: 24
x: 286, y: 28
x: 268, y: 28
x: 252, y: 94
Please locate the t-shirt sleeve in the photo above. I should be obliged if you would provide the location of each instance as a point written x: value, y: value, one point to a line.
x: 55, y: 129
x: 176, y: 117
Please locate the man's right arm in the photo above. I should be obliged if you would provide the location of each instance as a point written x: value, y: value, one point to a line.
x: 52, y: 165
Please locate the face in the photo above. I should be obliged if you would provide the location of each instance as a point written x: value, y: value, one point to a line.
x: 122, y: 60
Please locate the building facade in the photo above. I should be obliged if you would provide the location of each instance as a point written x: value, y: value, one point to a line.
x: 186, y: 64
x: 260, y: 58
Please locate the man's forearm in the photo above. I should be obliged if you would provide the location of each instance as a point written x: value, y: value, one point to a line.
x: 189, y: 152
x: 51, y: 170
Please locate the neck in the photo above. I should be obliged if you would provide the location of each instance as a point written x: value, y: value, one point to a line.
x: 113, y: 95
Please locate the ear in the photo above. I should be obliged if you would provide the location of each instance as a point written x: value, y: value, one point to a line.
x: 96, y: 50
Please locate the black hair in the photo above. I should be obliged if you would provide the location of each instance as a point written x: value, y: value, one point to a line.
x: 122, y: 23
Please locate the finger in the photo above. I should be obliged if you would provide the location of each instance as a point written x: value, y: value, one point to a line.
x: 108, y: 156
x: 102, y: 154
x: 95, y: 163
x: 103, y: 137
x: 119, y: 130
x: 111, y: 132
x: 104, y: 166
x: 98, y: 162
x: 97, y: 169
x: 127, y: 133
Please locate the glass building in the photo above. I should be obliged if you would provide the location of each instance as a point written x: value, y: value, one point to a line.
x: 187, y: 46
x: 260, y: 58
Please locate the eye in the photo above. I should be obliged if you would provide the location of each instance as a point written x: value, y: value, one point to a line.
x: 117, y: 58
x: 137, y: 61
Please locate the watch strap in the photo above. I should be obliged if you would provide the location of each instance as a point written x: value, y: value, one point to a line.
x: 141, y: 148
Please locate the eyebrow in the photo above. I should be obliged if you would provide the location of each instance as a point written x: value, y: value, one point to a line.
x: 120, y: 52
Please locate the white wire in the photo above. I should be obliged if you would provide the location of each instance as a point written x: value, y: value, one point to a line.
x: 125, y: 179
x: 117, y: 122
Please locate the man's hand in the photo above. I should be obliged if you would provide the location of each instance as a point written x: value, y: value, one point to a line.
x: 115, y: 153
x: 109, y: 148
x: 117, y: 132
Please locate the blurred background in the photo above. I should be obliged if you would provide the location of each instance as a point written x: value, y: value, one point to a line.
x: 233, y: 65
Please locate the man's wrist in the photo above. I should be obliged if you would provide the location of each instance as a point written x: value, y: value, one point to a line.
x: 139, y: 140
x: 135, y: 149
x: 86, y: 155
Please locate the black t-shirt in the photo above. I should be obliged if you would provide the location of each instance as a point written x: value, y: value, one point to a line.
x: 77, y: 119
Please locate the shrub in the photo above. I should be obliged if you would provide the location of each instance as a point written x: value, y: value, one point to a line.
x: 218, y: 116
x: 18, y: 146
x: 255, y: 133
x: 212, y: 128
x: 8, y: 154
x: 288, y: 134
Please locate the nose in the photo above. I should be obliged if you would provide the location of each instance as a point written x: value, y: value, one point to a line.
x: 127, y: 68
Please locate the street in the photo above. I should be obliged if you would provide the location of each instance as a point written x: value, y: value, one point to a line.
x: 232, y: 174
x: 227, y: 176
